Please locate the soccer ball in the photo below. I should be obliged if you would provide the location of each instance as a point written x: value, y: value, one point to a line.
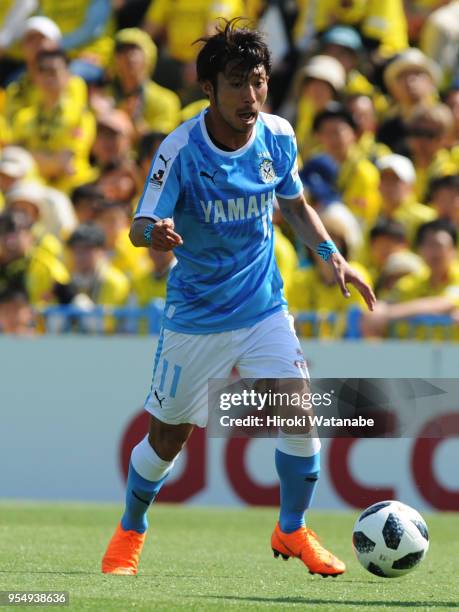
x: 390, y: 539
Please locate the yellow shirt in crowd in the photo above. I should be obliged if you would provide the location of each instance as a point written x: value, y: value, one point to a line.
x: 358, y: 182
x: 69, y: 16
x: 307, y: 292
x: 147, y: 287
x: 286, y: 257
x: 443, y: 164
x: 45, y: 269
x: 417, y: 286
x: 127, y: 258
x: 113, y: 287
x: 63, y: 128
x: 411, y: 215
x: 382, y: 21
x: 23, y: 93
x: 159, y: 107
x: 186, y: 21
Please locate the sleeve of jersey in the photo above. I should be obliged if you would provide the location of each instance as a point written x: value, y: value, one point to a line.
x: 290, y: 186
x: 162, y: 187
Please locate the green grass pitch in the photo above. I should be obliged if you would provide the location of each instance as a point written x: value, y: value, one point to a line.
x: 210, y: 559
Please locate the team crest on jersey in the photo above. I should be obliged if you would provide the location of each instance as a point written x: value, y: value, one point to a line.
x: 267, y: 172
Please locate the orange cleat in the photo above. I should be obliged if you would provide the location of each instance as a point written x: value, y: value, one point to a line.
x: 304, y: 544
x: 123, y: 552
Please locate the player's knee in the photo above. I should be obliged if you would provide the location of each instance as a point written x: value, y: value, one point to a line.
x: 168, y: 444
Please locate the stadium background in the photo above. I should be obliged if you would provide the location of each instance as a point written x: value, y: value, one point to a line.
x: 362, y: 82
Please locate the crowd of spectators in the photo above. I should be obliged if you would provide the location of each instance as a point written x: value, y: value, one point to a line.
x: 89, y: 89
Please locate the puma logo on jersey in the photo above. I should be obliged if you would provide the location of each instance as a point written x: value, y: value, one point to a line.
x: 164, y: 160
x: 160, y: 399
x: 211, y: 177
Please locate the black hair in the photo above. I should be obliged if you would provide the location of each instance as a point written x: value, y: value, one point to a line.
x: 231, y: 46
x: 88, y: 191
x: 126, y: 207
x: 13, y: 293
x: 450, y: 181
x: 51, y: 54
x: 438, y: 225
x: 333, y: 110
x: 122, y: 45
x: 89, y: 234
x: 147, y: 145
x: 389, y: 228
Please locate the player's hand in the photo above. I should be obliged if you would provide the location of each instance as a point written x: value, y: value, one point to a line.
x: 345, y: 274
x: 163, y: 237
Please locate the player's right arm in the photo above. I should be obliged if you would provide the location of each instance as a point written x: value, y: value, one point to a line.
x: 153, y: 224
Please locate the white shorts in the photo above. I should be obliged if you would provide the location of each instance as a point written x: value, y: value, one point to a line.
x: 185, y: 362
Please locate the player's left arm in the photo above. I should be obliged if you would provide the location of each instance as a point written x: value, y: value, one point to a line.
x: 309, y: 228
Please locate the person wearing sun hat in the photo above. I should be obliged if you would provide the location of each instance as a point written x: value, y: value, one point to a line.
x: 411, y: 79
x: 399, y: 213
x: 39, y: 34
x: 398, y: 200
x: 48, y: 207
x: 320, y: 81
x: 58, y: 133
x: 150, y: 106
x: 345, y: 44
x: 429, y: 129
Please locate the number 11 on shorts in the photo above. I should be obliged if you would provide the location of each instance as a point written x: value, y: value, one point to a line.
x: 175, y: 378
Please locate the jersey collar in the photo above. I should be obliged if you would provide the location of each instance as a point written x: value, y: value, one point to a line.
x: 215, y: 149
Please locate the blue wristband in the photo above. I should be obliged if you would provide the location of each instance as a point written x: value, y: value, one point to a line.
x: 326, y: 249
x: 148, y: 229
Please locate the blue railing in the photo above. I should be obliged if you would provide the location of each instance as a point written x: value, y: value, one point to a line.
x: 147, y: 320
x: 103, y: 319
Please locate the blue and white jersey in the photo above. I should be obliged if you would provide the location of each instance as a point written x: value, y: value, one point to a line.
x: 226, y: 277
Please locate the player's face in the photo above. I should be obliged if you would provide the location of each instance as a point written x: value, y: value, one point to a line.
x: 239, y: 98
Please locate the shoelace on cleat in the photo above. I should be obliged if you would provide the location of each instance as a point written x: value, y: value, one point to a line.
x: 314, y: 543
x: 130, y: 540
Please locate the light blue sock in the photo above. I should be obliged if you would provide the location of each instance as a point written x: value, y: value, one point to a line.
x: 298, y: 480
x: 140, y: 493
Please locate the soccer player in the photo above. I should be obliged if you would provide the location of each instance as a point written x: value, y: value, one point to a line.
x: 209, y: 197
